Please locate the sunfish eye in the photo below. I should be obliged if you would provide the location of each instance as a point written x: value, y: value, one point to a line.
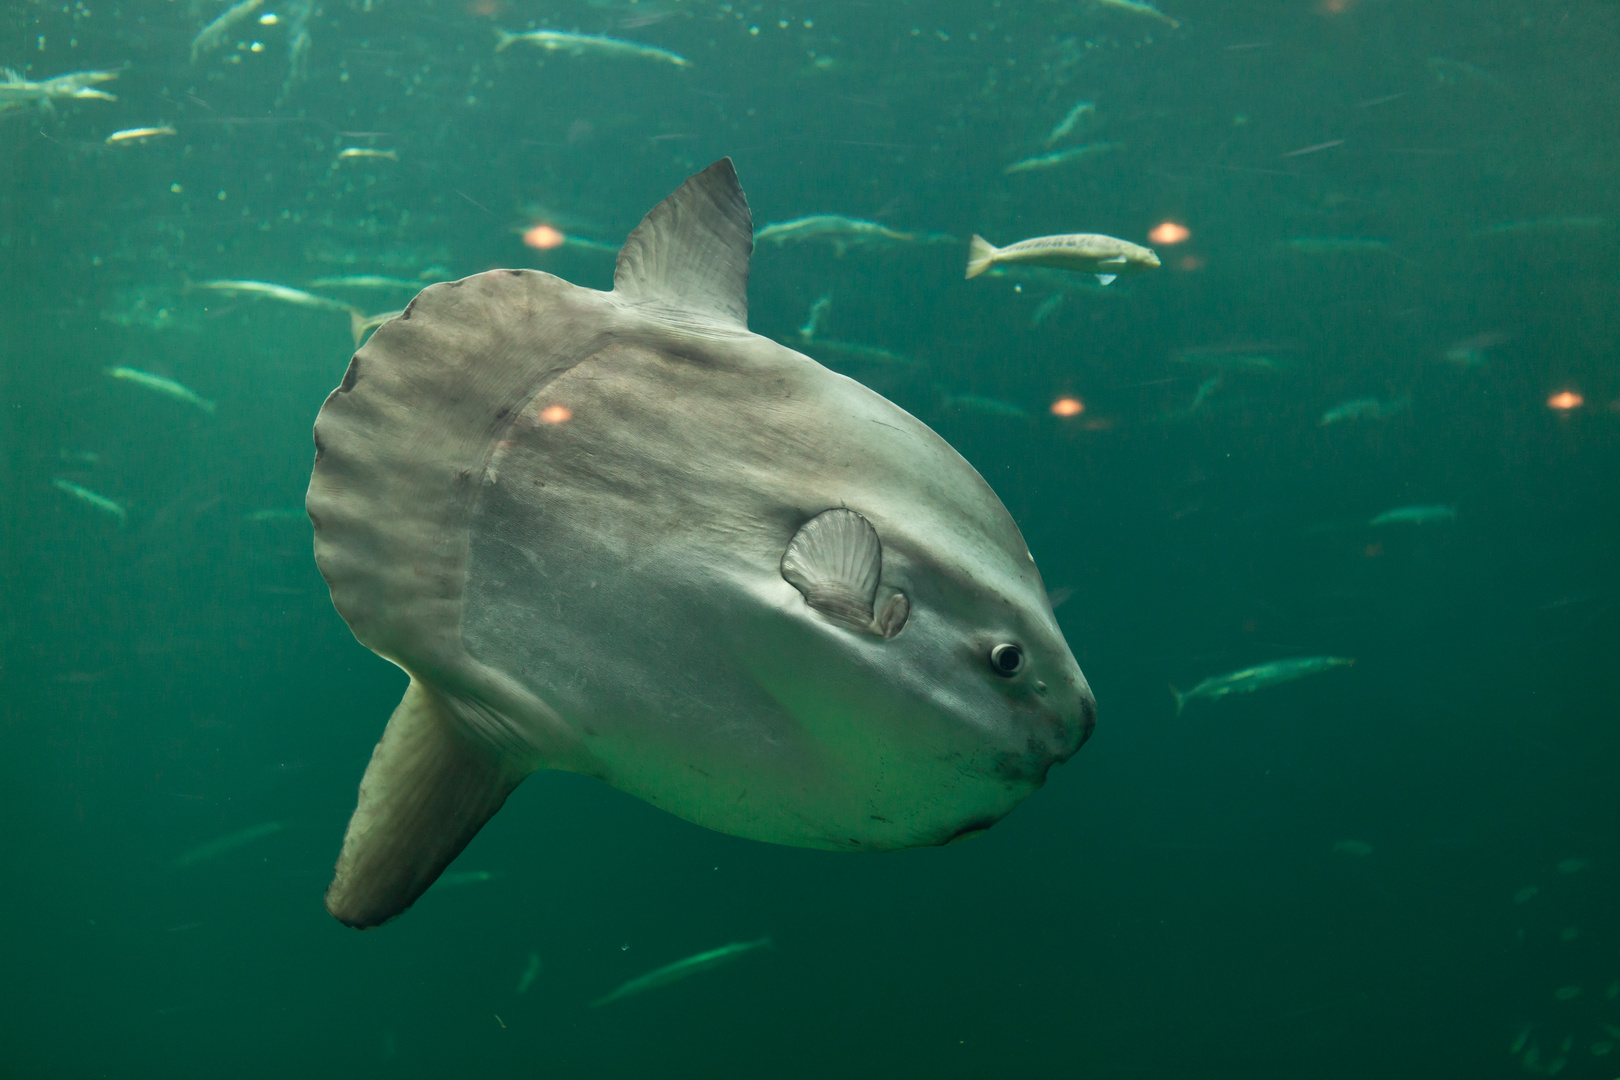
x: 1006, y: 660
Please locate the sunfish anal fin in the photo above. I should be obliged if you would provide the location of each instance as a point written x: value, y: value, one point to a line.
x: 689, y: 256
x: 429, y: 788
x: 835, y: 561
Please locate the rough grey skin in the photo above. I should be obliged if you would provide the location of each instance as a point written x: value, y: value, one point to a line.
x: 616, y: 533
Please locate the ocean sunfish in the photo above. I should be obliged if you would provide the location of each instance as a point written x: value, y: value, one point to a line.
x: 617, y: 533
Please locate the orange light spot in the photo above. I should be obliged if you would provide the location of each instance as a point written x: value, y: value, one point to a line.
x: 1189, y: 263
x: 1168, y: 232
x: 544, y: 237
x: 556, y: 414
x: 1067, y: 406
x: 1565, y: 400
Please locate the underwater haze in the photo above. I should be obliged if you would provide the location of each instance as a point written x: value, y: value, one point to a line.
x: 1327, y: 504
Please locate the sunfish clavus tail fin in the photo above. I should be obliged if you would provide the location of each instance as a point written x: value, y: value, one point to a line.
x: 981, y: 253
x: 689, y: 256
x: 428, y: 790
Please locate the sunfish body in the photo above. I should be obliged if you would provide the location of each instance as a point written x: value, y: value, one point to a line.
x: 1090, y: 253
x: 619, y: 534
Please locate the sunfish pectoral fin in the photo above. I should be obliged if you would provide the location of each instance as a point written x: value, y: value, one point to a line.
x: 835, y: 561
x: 430, y: 787
x: 690, y: 253
x: 1106, y: 279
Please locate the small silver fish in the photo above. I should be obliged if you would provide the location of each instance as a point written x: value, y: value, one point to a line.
x: 530, y: 972
x: 1251, y: 679
x: 278, y: 514
x: 229, y: 842
x: 589, y: 45
x: 987, y: 405
x: 1415, y: 515
x: 1364, y: 409
x: 271, y: 291
x: 1068, y: 123
x: 16, y: 91
x: 841, y: 232
x: 213, y: 35
x: 1105, y: 256
x: 682, y: 969
x: 361, y: 324
x: 162, y: 385
x: 1061, y: 157
x: 138, y: 135
x: 349, y: 152
x: 1137, y: 7
x: 366, y: 281
x: 100, y: 502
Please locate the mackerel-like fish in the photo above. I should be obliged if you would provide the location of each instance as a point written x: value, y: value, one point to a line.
x: 1105, y: 256
x: 213, y: 849
x: 1364, y: 409
x: 1069, y: 123
x: 1415, y: 515
x: 841, y: 232
x: 590, y: 45
x: 682, y: 969
x: 138, y: 135
x: 1137, y: 7
x: 100, y: 502
x: 284, y: 293
x: 213, y: 35
x: 1249, y: 680
x: 162, y: 385
x: 1062, y: 157
x: 16, y: 91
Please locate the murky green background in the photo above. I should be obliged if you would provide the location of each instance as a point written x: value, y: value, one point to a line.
x: 1404, y: 868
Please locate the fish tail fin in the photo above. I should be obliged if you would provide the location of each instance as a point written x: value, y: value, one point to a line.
x: 1181, y: 699
x: 981, y: 253
x: 357, y: 325
x: 206, y: 406
x: 504, y: 39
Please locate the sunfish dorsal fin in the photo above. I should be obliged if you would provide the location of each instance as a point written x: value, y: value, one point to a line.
x: 690, y: 254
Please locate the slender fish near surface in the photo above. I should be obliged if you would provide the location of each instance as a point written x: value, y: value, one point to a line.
x: 271, y: 291
x: 349, y: 152
x: 1364, y: 409
x: 1105, y: 256
x: 1137, y: 7
x: 841, y: 232
x: 530, y: 972
x: 213, y: 35
x: 138, y: 135
x: 361, y: 324
x: 162, y: 385
x: 367, y: 281
x: 589, y: 45
x: 1251, y: 679
x: 1062, y: 157
x: 229, y: 842
x: 16, y: 91
x: 1415, y: 515
x: 682, y: 969
x: 100, y: 502
x: 1069, y: 123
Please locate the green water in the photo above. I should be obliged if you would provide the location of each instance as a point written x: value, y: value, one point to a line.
x: 1406, y: 867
